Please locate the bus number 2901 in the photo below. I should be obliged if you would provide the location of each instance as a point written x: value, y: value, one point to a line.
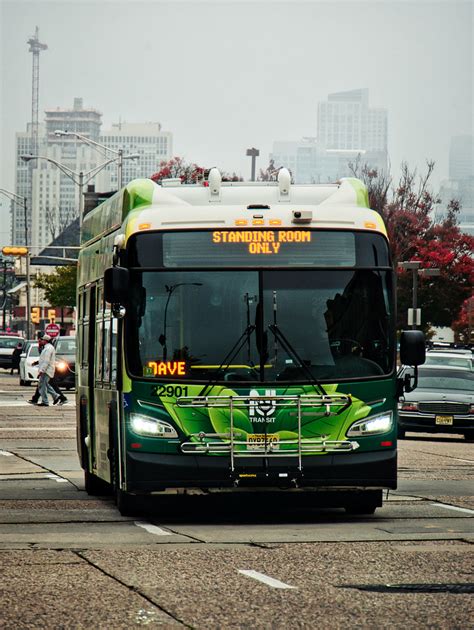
x: 170, y: 391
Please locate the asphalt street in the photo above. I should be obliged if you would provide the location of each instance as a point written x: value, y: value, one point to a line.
x: 226, y: 561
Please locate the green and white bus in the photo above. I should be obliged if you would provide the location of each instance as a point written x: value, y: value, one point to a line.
x: 238, y: 335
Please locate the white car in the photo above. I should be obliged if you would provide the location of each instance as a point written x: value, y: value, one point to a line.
x: 7, y: 345
x: 28, y: 371
x: 449, y: 359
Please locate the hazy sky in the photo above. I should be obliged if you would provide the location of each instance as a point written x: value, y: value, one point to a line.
x: 224, y: 76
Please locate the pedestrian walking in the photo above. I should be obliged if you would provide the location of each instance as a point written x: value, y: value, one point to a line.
x: 60, y: 398
x: 46, y: 366
x: 16, y: 358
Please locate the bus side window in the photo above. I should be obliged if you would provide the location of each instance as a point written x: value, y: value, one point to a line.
x: 113, y: 343
x: 99, y: 340
x: 106, y: 343
x: 85, y: 328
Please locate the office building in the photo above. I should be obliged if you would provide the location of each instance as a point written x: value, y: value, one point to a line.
x: 55, y: 196
x: 348, y: 130
x: 147, y: 140
x: 460, y: 184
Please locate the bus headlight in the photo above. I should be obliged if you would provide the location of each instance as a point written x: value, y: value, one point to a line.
x: 372, y: 426
x: 151, y: 427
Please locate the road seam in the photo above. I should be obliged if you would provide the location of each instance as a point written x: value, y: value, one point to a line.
x: 135, y: 589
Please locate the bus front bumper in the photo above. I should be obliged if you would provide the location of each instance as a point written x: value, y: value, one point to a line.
x: 151, y: 472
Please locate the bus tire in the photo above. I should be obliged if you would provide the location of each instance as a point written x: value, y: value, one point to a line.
x: 364, y: 503
x: 94, y: 485
x: 361, y: 509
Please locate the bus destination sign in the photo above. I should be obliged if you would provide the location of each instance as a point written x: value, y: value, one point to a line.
x: 261, y: 241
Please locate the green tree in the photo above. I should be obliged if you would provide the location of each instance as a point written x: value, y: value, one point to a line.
x: 60, y: 286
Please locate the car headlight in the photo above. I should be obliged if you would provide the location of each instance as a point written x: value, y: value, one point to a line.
x: 61, y: 366
x: 151, y: 427
x: 372, y: 426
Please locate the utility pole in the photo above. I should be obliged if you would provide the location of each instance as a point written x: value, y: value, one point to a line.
x: 253, y: 153
x: 414, y: 318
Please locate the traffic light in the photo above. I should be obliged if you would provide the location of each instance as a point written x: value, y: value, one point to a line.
x: 52, y: 315
x: 14, y: 251
x: 35, y: 314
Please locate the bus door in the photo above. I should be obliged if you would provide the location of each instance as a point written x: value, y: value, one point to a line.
x: 85, y: 376
x: 105, y: 388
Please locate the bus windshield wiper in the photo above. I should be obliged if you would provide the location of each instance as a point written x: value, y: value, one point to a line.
x: 292, y: 352
x: 233, y: 352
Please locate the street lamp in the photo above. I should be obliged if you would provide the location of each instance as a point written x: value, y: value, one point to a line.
x: 415, y: 267
x: 170, y: 290
x: 120, y: 157
x: 22, y: 201
x: 253, y: 153
x: 80, y: 179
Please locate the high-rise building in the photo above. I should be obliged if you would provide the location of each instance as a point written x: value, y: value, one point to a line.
x: 461, y: 157
x: 147, y: 140
x: 345, y: 122
x: 348, y: 131
x: 460, y: 185
x: 55, y: 196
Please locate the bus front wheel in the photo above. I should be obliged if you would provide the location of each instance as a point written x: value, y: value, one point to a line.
x: 94, y: 485
x: 364, y: 503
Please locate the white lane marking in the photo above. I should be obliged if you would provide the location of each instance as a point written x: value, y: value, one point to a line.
x: 6, y: 454
x: 152, y: 529
x: 56, y: 478
x: 261, y: 577
x: 453, y: 507
x: 468, y: 461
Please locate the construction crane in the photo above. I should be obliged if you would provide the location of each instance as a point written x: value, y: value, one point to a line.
x: 35, y: 47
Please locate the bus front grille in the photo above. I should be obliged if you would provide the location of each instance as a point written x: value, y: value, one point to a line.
x: 265, y: 444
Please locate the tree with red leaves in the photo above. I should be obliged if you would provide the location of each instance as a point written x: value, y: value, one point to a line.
x: 177, y: 167
x: 408, y: 211
x: 188, y: 173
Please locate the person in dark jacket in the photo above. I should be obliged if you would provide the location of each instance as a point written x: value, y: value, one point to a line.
x: 16, y: 358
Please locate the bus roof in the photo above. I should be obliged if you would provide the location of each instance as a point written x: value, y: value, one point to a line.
x: 144, y: 205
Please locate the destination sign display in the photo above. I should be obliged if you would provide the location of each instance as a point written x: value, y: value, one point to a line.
x: 261, y: 241
x: 165, y: 368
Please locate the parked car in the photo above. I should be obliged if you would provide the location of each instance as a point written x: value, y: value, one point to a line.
x: 443, y: 402
x: 7, y: 345
x: 29, y: 356
x: 451, y: 359
x: 65, y: 374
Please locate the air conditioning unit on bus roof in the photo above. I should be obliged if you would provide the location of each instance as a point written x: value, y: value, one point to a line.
x: 172, y: 181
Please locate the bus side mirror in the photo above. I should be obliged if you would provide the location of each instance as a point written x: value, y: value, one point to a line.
x: 412, y: 348
x: 116, y: 285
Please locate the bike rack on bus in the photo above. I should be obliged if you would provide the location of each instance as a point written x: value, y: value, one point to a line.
x: 217, y: 443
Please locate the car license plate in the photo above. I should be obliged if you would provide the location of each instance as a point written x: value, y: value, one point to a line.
x: 444, y: 420
x: 256, y: 441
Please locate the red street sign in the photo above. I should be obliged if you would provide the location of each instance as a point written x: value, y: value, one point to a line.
x: 52, y: 330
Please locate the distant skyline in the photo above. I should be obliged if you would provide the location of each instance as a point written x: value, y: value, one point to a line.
x: 225, y: 76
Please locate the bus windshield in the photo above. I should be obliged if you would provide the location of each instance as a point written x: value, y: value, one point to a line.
x: 183, y: 324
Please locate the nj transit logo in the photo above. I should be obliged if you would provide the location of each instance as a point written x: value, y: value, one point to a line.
x: 260, y: 408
